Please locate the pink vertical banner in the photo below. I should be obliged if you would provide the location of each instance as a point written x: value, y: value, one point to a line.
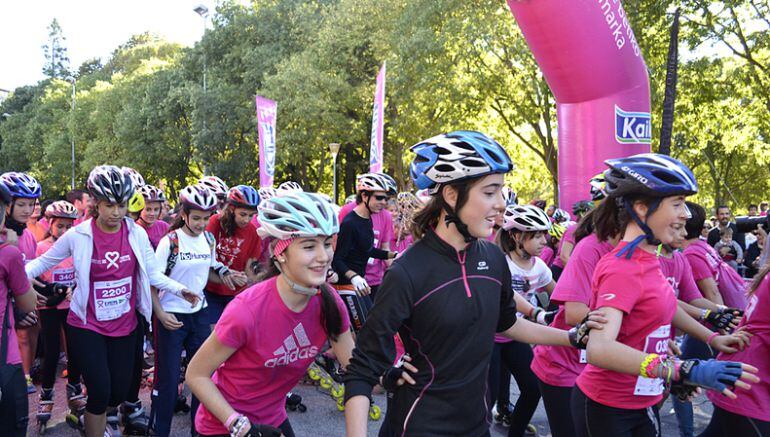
x: 378, y: 113
x: 592, y: 62
x: 266, y: 110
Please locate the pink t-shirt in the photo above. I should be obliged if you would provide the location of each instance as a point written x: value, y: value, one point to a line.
x: 557, y: 365
x: 13, y: 279
x: 382, y: 226
x: 273, y: 345
x: 345, y: 210
x: 638, y: 288
x: 63, y: 273
x: 752, y: 403
x: 155, y: 232
x: 547, y: 255
x: 569, y: 237
x: 401, y: 245
x: 27, y: 245
x: 112, y: 299
x: 706, y: 263
x: 679, y: 274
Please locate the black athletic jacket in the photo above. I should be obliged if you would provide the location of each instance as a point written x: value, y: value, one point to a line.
x: 446, y: 306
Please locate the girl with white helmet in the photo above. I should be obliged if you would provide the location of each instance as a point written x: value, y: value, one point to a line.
x: 57, y: 287
x: 188, y: 255
x: 114, y: 269
x: 149, y: 218
x: 268, y: 335
x: 523, y: 237
x: 446, y: 297
x: 25, y: 192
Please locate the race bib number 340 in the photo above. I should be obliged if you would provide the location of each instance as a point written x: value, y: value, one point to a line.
x: 112, y: 299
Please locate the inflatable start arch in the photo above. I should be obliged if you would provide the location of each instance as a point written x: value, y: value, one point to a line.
x: 592, y: 63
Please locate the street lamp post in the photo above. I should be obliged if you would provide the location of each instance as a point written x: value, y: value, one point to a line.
x: 203, y: 11
x: 335, y: 149
x: 71, y: 80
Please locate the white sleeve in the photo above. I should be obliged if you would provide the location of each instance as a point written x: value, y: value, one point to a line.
x: 162, y: 252
x: 61, y: 250
x: 544, y: 274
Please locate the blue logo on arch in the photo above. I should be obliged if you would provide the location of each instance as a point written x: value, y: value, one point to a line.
x: 632, y: 127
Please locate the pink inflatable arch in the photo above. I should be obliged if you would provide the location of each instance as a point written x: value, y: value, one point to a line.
x: 592, y: 63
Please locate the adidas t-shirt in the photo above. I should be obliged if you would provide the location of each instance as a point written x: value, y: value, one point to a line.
x: 273, y: 345
x: 191, y: 270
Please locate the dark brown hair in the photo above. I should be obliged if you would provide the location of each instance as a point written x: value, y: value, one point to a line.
x: 611, y: 218
x: 585, y: 226
x: 227, y: 220
x: 758, y: 278
x: 428, y: 217
x: 330, y: 312
x: 508, y: 241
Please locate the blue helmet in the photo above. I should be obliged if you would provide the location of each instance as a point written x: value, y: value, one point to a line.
x: 21, y: 185
x: 649, y: 174
x: 457, y: 156
x: 5, y: 194
x: 243, y: 195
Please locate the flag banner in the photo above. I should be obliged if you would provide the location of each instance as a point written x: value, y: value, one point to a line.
x: 376, y: 145
x: 266, y: 110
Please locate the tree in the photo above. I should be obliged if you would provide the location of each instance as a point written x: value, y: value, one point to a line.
x: 56, y: 60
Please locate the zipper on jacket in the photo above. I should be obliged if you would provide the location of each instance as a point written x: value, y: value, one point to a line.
x: 461, y: 260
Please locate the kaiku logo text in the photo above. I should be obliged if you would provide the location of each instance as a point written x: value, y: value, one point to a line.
x: 632, y: 127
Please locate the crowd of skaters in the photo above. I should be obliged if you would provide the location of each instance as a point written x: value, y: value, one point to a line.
x: 439, y: 296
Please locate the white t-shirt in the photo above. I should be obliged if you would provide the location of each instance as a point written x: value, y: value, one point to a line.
x: 191, y: 270
x: 528, y: 282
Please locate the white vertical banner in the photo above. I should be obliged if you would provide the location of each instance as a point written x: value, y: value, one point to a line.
x: 376, y: 145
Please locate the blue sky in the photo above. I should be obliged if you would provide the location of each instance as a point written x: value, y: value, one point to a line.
x: 92, y: 29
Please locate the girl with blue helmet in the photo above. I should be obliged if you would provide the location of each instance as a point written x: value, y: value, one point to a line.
x: 629, y: 366
x: 446, y: 297
x: 269, y: 334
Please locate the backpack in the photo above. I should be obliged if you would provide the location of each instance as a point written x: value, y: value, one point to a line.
x: 173, y: 248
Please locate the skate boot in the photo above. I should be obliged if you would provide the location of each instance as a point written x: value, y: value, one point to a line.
x: 76, y: 401
x: 133, y: 418
x: 44, y: 410
x: 502, y: 414
x: 181, y: 404
x: 113, y: 424
x: 294, y: 403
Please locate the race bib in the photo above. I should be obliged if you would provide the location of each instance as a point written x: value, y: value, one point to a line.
x: 656, y: 343
x: 376, y: 244
x: 64, y: 276
x: 583, y: 356
x: 112, y: 299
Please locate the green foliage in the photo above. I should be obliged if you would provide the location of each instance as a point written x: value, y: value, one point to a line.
x: 56, y: 59
x: 451, y: 65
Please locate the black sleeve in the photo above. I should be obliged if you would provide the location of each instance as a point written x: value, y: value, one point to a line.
x: 713, y: 236
x: 507, y: 316
x: 378, y: 253
x: 344, y: 244
x: 739, y: 237
x: 375, y: 351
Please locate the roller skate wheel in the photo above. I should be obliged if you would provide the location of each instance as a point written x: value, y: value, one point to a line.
x: 338, y: 391
x: 340, y: 405
x: 375, y: 412
x: 326, y: 383
x: 313, y: 374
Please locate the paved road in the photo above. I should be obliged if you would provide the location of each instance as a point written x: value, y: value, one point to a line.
x: 322, y: 418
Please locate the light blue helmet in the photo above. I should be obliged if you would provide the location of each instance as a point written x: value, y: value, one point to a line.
x: 299, y: 214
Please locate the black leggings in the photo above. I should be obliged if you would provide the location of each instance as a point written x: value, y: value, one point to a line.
x: 724, y: 423
x: 557, y: 407
x: 52, y: 321
x: 516, y: 357
x: 285, y: 428
x: 107, y: 364
x: 593, y: 419
x: 136, y: 376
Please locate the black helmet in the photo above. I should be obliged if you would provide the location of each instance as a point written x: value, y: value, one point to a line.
x: 110, y: 183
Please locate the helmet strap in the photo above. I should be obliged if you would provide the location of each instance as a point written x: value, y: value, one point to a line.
x: 649, y: 236
x: 453, y: 218
x: 305, y: 291
x: 14, y: 225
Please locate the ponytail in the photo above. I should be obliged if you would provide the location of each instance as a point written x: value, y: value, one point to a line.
x: 227, y: 220
x: 427, y: 217
x: 179, y: 220
x: 611, y: 219
x: 585, y: 226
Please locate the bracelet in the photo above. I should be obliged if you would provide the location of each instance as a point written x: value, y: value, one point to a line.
x: 645, y: 363
x: 231, y: 419
x: 711, y: 338
x: 703, y: 314
x: 531, y: 312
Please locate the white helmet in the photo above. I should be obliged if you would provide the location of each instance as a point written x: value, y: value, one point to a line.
x: 110, y: 183
x: 136, y: 177
x: 295, y: 215
x: 527, y: 218
x: 376, y: 182
x: 61, y: 209
x: 217, y: 186
x: 560, y: 216
x: 198, y: 197
x: 266, y: 193
x: 152, y: 193
x: 289, y: 187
